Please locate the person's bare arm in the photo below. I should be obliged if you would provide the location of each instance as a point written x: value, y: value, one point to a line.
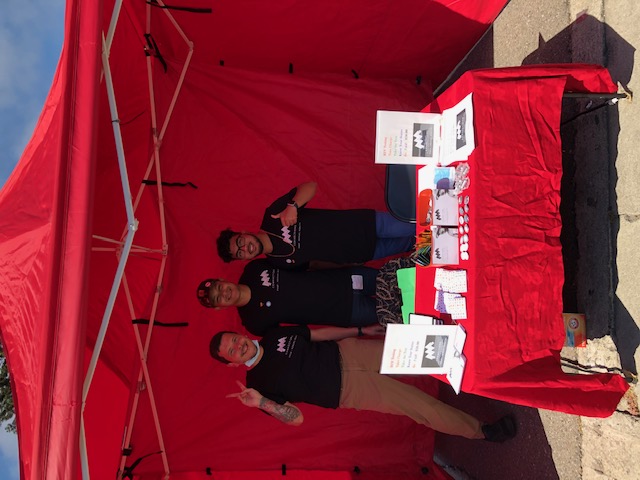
x: 339, y: 333
x: 287, y: 413
x: 304, y: 193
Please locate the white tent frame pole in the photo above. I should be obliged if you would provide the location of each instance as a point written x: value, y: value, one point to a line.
x: 144, y: 373
x: 173, y: 21
x: 98, y: 346
x: 160, y: 135
x: 112, y: 25
x: 154, y: 161
x: 125, y: 248
x: 133, y: 250
x: 136, y: 248
x: 132, y: 228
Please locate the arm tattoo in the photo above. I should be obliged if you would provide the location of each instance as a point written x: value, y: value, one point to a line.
x: 284, y: 413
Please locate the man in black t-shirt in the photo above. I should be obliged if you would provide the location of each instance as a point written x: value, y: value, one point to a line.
x: 328, y: 368
x: 266, y: 295
x: 295, y: 237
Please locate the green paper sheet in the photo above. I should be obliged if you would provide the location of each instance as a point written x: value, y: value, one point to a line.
x: 407, y: 284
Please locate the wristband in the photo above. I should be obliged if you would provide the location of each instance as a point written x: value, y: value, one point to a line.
x: 360, y: 334
x: 293, y: 204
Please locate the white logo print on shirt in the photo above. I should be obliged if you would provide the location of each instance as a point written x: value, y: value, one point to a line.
x: 281, y: 343
x: 286, y: 235
x: 264, y: 276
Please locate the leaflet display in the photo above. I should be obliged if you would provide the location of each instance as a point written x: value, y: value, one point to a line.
x: 421, y: 349
x: 416, y: 138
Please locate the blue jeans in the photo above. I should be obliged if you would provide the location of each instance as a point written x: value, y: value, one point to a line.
x: 393, y: 236
x: 363, y: 311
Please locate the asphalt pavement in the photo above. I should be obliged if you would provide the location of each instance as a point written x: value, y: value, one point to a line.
x: 601, y: 229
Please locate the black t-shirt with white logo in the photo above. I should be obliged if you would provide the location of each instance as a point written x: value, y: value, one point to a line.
x: 339, y: 236
x: 295, y: 369
x: 322, y: 297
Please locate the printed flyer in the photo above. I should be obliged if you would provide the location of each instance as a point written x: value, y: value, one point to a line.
x: 421, y: 349
x: 409, y: 138
x: 416, y: 138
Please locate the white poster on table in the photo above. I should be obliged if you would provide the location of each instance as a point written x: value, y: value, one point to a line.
x: 409, y: 138
x: 421, y: 349
x: 458, y: 139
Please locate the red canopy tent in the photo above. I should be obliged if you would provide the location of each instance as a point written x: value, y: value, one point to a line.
x: 162, y: 127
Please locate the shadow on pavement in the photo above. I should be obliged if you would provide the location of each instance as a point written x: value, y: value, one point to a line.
x: 526, y: 457
x: 589, y: 203
x: 626, y: 335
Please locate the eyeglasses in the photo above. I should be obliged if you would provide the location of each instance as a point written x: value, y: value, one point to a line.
x: 240, y: 243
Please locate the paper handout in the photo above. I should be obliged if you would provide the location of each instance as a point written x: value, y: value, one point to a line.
x: 420, y: 349
x: 417, y: 138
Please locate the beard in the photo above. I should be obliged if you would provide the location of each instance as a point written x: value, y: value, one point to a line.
x: 259, y: 244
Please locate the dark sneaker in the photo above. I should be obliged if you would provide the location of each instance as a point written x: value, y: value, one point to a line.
x: 500, y: 431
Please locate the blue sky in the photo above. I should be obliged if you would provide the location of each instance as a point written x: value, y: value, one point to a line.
x: 30, y: 42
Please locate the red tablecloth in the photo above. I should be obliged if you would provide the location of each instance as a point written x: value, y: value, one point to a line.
x: 515, y: 273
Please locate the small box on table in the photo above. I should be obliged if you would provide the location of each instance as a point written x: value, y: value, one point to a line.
x: 575, y: 327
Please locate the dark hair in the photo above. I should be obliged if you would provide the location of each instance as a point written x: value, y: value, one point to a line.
x: 203, y: 290
x: 214, y: 346
x: 223, y: 242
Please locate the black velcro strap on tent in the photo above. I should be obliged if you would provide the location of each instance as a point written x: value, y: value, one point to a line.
x: 154, y: 3
x: 151, y: 49
x: 145, y: 321
x: 128, y: 471
x: 170, y: 184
